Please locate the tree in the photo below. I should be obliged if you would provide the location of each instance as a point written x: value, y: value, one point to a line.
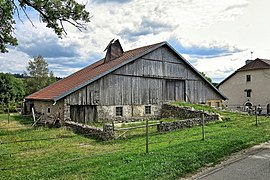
x: 52, y: 12
x: 206, y: 77
x: 38, y: 75
x: 12, y: 89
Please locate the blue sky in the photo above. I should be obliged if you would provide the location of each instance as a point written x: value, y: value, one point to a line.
x: 216, y: 37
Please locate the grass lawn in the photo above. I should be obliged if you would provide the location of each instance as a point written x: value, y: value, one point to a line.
x: 36, y: 153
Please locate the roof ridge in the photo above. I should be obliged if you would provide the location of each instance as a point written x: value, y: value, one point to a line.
x: 255, y: 64
x: 155, y: 44
x: 247, y: 67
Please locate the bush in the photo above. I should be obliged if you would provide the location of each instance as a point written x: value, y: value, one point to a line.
x: 13, y: 107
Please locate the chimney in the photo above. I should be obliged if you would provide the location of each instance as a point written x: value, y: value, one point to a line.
x: 114, y: 50
x: 248, y: 61
x: 251, y: 58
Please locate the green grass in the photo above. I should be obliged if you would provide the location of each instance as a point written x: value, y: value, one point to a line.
x: 61, y: 154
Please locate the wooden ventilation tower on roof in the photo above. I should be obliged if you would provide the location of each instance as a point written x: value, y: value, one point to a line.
x: 114, y: 50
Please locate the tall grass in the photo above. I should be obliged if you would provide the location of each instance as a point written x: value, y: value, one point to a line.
x: 61, y: 154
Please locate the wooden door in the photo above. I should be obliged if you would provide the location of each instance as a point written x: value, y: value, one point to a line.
x: 175, y: 90
x: 179, y: 90
x: 83, y: 113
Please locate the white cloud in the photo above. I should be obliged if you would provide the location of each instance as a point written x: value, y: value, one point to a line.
x: 220, y: 67
x: 232, y: 27
x: 13, y: 62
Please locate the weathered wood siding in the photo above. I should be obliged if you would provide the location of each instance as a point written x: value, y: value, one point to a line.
x: 83, y: 114
x: 152, y: 79
x: 200, y: 92
x: 175, y: 90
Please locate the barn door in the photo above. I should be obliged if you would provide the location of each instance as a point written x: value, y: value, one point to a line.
x: 179, y: 90
x: 90, y: 114
x: 175, y: 90
x: 170, y: 90
x: 83, y: 114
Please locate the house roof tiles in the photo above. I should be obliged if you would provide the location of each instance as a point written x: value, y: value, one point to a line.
x: 256, y: 64
x: 253, y: 65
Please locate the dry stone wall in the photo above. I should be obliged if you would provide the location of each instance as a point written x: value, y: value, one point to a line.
x: 105, y: 134
x: 191, y: 117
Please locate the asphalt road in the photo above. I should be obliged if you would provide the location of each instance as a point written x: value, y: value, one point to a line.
x: 252, y: 164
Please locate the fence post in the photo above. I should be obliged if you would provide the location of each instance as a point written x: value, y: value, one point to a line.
x: 203, y: 132
x: 256, y: 115
x: 146, y: 138
x: 33, y: 114
x: 113, y: 125
x: 8, y: 112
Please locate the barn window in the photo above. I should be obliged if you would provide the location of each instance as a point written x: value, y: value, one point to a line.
x: 119, y: 111
x: 248, y: 78
x: 147, y: 109
x: 49, y: 110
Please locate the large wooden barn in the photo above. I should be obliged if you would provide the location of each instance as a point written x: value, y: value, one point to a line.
x: 124, y: 85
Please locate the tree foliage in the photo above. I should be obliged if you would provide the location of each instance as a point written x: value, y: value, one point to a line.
x: 38, y: 75
x: 11, y: 88
x: 52, y: 12
x: 6, y: 25
x: 206, y: 77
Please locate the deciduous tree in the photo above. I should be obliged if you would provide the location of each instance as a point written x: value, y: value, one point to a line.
x: 38, y: 75
x: 12, y: 90
x: 206, y: 77
x: 52, y: 12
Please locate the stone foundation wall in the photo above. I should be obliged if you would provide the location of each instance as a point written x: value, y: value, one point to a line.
x: 130, y: 112
x: 56, y: 110
x: 105, y: 134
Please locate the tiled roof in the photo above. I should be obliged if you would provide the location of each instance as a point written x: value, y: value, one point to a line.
x: 256, y: 64
x: 89, y: 74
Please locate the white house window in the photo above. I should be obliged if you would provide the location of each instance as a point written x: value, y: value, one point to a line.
x: 147, y: 109
x: 248, y: 91
x: 248, y: 78
x: 119, y: 111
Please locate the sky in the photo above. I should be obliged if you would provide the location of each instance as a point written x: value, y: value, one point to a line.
x: 215, y: 36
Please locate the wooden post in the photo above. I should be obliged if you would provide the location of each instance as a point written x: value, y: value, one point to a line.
x: 113, y: 125
x: 146, y: 138
x: 8, y: 112
x: 203, y: 132
x: 256, y: 115
x: 33, y: 113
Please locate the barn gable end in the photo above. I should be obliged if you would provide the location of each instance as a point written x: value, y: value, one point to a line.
x: 140, y: 79
x: 153, y: 79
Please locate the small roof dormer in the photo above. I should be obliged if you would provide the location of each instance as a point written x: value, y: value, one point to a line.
x: 114, y: 50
